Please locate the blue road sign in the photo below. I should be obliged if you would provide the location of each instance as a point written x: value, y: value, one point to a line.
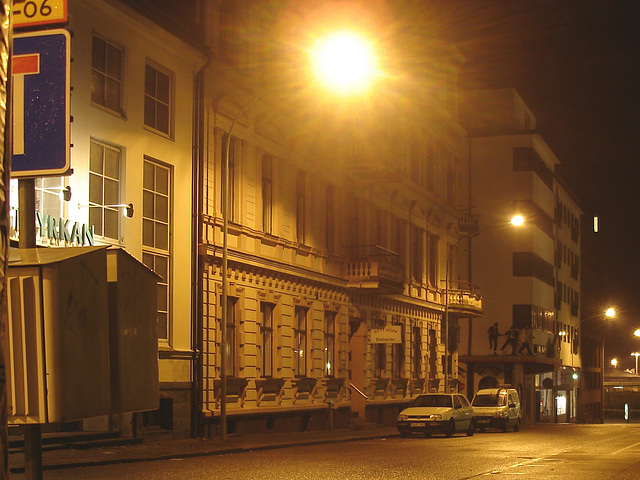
x: 40, y: 100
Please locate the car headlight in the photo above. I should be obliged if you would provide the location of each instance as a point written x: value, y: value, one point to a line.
x: 436, y: 416
x: 500, y: 414
x: 402, y: 418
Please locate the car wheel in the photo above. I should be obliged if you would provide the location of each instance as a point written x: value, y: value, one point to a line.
x: 516, y: 427
x: 472, y: 428
x: 451, y: 428
x: 505, y: 425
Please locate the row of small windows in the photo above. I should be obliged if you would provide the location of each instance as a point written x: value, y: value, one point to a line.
x: 107, y: 84
x: 305, y: 338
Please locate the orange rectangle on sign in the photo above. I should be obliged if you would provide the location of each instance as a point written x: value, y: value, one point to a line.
x: 27, y: 13
x: 22, y: 64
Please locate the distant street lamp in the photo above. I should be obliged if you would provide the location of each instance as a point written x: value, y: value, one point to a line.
x: 344, y: 63
x: 614, y: 362
x: 516, y: 221
x: 636, y: 354
x: 637, y: 332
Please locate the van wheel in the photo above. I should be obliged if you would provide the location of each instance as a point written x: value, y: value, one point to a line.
x: 451, y: 428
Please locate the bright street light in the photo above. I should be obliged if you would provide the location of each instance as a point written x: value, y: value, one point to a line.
x: 517, y: 220
x: 611, y: 312
x: 614, y: 362
x: 344, y: 63
x: 637, y: 332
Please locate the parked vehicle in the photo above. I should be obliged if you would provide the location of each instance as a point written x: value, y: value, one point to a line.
x: 497, y: 408
x: 437, y: 413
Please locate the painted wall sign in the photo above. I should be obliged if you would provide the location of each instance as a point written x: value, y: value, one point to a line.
x: 391, y: 334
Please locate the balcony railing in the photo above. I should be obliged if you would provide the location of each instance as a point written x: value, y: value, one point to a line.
x: 464, y: 298
x: 374, y: 268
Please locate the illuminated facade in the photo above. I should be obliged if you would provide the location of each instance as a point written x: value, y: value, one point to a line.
x: 132, y: 108
x: 529, y: 276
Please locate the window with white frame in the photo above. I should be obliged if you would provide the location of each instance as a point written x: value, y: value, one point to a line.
x: 105, y: 166
x: 158, y: 92
x: 49, y: 197
x: 107, y: 62
x: 156, y: 234
x: 231, y: 340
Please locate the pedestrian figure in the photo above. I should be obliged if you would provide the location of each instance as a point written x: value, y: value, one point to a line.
x: 493, y: 337
x: 512, y: 339
x: 525, y: 345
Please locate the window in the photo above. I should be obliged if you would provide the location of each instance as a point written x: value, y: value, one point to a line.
x: 433, y: 260
x: 231, y: 185
x: 157, y: 99
x: 231, y: 339
x: 160, y: 265
x: 106, y: 75
x: 300, y: 207
x: 398, y: 354
x: 49, y: 196
x: 267, y: 193
x: 379, y: 353
x: 104, y: 189
x: 300, y: 345
x: 156, y: 231
x: 416, y: 254
x: 330, y: 232
x: 329, y: 343
x: 416, y: 352
x: 266, y: 332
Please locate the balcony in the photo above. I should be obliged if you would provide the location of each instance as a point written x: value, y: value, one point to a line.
x: 464, y: 299
x: 375, y: 269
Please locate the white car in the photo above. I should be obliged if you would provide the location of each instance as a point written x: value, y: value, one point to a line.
x: 429, y: 413
x: 497, y: 408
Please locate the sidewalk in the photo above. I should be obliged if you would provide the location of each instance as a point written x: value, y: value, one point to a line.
x: 163, y: 448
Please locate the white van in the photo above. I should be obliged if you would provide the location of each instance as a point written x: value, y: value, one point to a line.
x: 497, y: 408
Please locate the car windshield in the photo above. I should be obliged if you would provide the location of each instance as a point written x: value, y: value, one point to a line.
x: 432, y: 401
x: 488, y: 401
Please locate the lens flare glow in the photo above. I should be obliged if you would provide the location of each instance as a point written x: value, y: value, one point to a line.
x: 344, y: 62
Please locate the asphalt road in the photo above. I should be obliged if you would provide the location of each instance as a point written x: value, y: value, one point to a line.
x: 582, y: 452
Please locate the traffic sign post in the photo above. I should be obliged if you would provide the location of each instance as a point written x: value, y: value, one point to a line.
x: 41, y: 85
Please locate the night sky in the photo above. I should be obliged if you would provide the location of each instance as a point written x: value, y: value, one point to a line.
x: 576, y: 63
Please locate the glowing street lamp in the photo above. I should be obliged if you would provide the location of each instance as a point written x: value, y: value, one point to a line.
x: 637, y: 332
x: 614, y: 362
x: 343, y: 63
x: 516, y: 221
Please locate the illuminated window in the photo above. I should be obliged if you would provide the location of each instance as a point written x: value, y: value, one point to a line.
x: 398, y: 354
x: 106, y: 75
x: 416, y: 352
x: 266, y: 331
x: 104, y: 189
x: 329, y: 343
x: 157, y: 99
x: 379, y: 353
x: 49, y: 196
x: 156, y: 229
x: 231, y: 350
x: 300, y: 342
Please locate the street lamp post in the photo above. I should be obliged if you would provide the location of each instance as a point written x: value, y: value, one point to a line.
x: 636, y: 354
x: 343, y: 61
x: 516, y: 220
